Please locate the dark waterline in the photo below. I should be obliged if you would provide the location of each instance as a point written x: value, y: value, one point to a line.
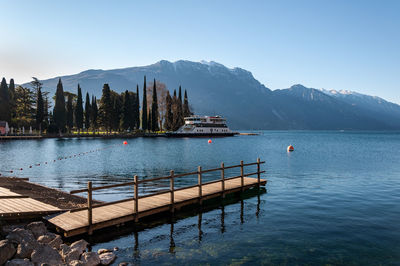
x: 332, y: 201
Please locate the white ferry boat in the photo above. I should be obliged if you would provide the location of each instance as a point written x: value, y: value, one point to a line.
x: 198, y: 126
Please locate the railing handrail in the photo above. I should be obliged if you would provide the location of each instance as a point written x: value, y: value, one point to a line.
x: 161, y: 178
x: 90, y: 206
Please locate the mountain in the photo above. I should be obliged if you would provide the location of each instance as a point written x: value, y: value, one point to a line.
x: 243, y: 100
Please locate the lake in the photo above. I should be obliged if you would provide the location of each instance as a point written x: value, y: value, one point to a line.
x: 334, y: 200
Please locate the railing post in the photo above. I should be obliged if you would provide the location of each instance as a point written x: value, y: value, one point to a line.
x: 200, y: 184
x: 258, y: 171
x: 241, y: 175
x: 136, y: 195
x: 89, y: 206
x: 223, y: 179
x: 171, y: 187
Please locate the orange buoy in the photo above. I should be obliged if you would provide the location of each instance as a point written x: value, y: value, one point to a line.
x: 290, y: 148
x: 125, y: 142
x: 209, y: 141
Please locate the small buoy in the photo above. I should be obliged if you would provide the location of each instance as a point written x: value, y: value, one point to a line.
x: 209, y: 141
x: 30, y: 166
x: 290, y: 148
x: 125, y: 142
x: 21, y: 169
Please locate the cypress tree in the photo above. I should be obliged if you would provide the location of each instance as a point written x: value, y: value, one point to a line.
x: 149, y: 120
x: 144, y: 107
x: 186, y: 109
x: 5, y: 113
x: 168, y: 113
x: 132, y: 110
x: 87, y: 112
x: 126, y: 112
x: 106, y: 107
x: 39, y: 110
x: 137, y: 108
x: 11, y: 93
x: 11, y: 88
x: 79, y: 110
x: 59, y: 108
x: 177, y: 111
x: 115, y: 113
x: 46, y: 112
x: 180, y: 94
x: 94, y: 113
x: 70, y: 113
x: 154, y: 109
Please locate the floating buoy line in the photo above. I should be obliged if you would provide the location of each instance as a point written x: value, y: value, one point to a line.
x: 61, y: 158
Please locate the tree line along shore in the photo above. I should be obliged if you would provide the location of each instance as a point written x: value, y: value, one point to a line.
x: 112, y: 114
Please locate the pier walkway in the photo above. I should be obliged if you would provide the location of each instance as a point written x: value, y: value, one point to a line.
x: 97, y: 216
x: 17, y: 206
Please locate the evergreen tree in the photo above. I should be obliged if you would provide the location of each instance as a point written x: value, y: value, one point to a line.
x: 79, y: 110
x: 46, y: 113
x: 39, y: 110
x: 24, y: 111
x: 186, y: 109
x: 87, y: 112
x: 126, y: 115
x: 168, y: 114
x: 180, y: 94
x: 177, y: 111
x: 144, y: 107
x: 154, y: 109
x: 137, y: 108
x: 5, y: 112
x: 70, y: 113
x: 149, y: 121
x: 11, y: 93
x: 132, y: 110
x: 59, y: 108
x: 11, y: 88
x: 106, y: 108
x: 94, y: 113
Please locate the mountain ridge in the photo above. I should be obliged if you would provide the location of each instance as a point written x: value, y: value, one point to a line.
x: 247, y: 104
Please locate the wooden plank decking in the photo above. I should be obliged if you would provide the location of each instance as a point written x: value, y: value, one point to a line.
x: 98, y: 216
x: 14, y: 205
x: 75, y: 223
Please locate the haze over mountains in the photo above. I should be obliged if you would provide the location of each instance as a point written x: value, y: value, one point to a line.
x: 243, y: 100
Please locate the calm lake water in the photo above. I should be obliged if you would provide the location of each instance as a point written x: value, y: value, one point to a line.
x: 334, y: 200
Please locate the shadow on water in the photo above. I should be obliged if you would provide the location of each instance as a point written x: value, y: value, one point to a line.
x: 108, y: 234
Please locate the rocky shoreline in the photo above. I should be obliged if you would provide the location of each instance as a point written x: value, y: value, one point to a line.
x: 33, y: 244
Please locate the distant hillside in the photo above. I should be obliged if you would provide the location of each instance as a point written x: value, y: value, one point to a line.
x: 247, y: 104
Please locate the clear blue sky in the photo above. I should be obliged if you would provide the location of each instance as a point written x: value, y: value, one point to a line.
x: 337, y: 44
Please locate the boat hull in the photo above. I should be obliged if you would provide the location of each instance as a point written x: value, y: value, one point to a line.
x: 199, y: 135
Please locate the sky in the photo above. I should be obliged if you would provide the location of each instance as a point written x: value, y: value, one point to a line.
x: 349, y: 45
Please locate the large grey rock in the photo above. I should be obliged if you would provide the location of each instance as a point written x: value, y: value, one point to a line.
x: 24, y: 250
x: 19, y: 235
x: 7, y: 250
x: 80, y: 245
x: 19, y: 262
x: 103, y: 250
x: 8, y: 228
x: 56, y: 242
x: 64, y: 250
x: 107, y: 258
x: 37, y: 229
x: 72, y: 255
x: 46, y: 254
x: 90, y: 258
x: 47, y: 238
x: 76, y: 263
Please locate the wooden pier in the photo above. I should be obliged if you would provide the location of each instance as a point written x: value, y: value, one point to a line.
x: 16, y: 206
x: 97, y: 216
